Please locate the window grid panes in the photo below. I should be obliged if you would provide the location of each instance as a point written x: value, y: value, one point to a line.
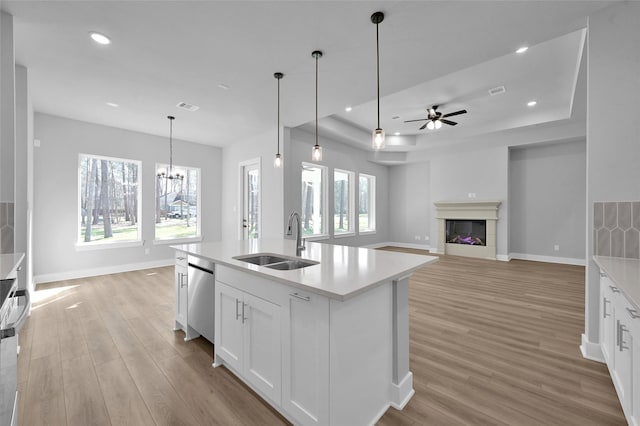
x: 314, y: 200
x: 109, y: 200
x: 177, y: 203
x: 343, y: 200
x: 367, y: 203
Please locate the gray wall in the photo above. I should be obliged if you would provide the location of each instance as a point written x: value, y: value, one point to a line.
x: 56, y: 198
x: 24, y: 136
x: 613, y: 132
x: 341, y: 156
x: 410, y: 193
x: 547, y: 191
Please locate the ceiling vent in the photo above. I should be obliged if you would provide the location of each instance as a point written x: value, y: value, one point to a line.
x: 497, y: 90
x: 187, y: 106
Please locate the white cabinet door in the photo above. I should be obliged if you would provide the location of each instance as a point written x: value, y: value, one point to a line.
x: 635, y: 367
x: 607, y: 323
x: 181, y: 291
x: 622, y: 374
x: 305, y: 358
x: 228, y: 325
x: 262, y: 362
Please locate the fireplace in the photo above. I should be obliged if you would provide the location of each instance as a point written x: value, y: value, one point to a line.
x: 471, y: 232
x: 467, y: 228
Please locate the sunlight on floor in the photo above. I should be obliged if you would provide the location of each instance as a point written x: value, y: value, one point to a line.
x: 44, y: 297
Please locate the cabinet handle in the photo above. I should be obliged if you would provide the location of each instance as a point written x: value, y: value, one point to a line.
x: 243, y: 317
x: 623, y: 330
x: 604, y: 308
x: 297, y: 296
x: 182, y: 283
x: 633, y: 313
x: 180, y: 258
x: 614, y: 289
x: 237, y: 314
x: 603, y: 275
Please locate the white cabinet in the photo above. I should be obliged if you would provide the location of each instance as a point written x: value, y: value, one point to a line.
x: 622, y: 356
x: 181, y: 291
x: 248, y: 338
x: 607, y: 323
x: 305, y: 358
x: 635, y: 367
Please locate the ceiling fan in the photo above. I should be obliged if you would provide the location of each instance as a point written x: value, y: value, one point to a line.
x: 435, y: 118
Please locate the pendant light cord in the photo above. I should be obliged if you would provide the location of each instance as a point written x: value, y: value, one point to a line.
x: 378, y: 71
x: 316, y: 99
x: 171, y: 146
x: 279, y: 115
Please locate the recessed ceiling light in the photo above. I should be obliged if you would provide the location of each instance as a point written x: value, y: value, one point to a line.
x: 224, y: 86
x: 531, y: 103
x: 348, y: 109
x: 99, y: 38
x: 111, y: 104
x: 522, y: 49
x: 397, y: 133
x: 395, y: 117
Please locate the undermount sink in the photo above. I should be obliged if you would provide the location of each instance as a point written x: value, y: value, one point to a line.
x: 281, y: 263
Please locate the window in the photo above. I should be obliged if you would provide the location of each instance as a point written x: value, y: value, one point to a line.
x: 177, y: 203
x: 314, y: 200
x: 109, y: 200
x: 367, y: 203
x: 343, y: 200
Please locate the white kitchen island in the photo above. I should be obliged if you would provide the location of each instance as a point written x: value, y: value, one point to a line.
x: 324, y: 344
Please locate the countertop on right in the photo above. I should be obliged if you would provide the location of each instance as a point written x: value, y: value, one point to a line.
x: 625, y: 273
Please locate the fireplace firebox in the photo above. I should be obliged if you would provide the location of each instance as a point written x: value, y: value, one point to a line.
x: 470, y: 232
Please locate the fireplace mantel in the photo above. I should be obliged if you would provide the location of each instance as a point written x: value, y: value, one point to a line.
x: 472, y: 210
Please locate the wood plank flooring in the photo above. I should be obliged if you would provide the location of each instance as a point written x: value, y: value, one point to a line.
x: 492, y: 343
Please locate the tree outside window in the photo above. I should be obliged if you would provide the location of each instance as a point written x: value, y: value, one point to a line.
x: 314, y: 200
x: 177, y: 203
x: 367, y: 203
x: 343, y: 200
x: 109, y: 200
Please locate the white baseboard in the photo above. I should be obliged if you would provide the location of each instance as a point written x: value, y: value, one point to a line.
x: 503, y: 257
x: 591, y: 350
x: 402, y: 245
x: 402, y: 392
x: 84, y: 273
x: 548, y: 259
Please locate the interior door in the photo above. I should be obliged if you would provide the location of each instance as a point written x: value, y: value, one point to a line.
x: 251, y: 206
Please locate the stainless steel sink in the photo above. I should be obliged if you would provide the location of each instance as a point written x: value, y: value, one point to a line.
x: 273, y: 261
x: 291, y: 264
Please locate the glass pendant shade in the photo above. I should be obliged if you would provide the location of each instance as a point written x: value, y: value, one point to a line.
x: 431, y: 125
x: 277, y: 163
x: 377, y: 139
x: 438, y: 124
x: 316, y: 153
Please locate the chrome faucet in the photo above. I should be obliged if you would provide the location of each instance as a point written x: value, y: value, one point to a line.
x: 299, y: 240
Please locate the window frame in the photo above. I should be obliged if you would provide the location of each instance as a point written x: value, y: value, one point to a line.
x: 175, y: 240
x: 108, y: 244
x: 325, y: 201
x: 372, y: 204
x: 351, y: 204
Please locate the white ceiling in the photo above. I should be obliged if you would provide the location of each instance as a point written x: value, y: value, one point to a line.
x: 432, y: 52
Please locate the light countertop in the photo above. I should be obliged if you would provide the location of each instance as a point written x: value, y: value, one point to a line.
x: 9, y: 264
x: 343, y: 271
x: 625, y: 274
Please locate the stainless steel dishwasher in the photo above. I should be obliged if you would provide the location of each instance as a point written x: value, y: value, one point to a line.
x: 201, y: 294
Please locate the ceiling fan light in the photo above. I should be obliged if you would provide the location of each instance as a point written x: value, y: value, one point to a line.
x: 438, y: 124
x: 316, y: 153
x: 377, y: 139
x: 431, y: 125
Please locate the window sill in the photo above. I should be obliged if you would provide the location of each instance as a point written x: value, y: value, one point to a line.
x: 104, y: 246
x: 368, y: 232
x: 344, y: 235
x: 178, y: 240
x: 316, y: 238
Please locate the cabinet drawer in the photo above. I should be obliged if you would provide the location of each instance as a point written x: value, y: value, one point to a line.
x: 181, y: 258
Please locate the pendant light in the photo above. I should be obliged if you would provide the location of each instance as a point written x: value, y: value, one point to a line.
x: 169, y: 174
x: 377, y: 137
x: 277, y: 162
x: 316, y: 152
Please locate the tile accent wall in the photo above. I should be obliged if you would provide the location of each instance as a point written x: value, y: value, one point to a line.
x: 616, y: 229
x: 6, y: 227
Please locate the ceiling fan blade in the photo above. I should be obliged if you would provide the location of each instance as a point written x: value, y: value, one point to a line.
x: 435, y: 107
x: 451, y: 114
x: 423, y: 126
x: 449, y: 122
x: 420, y: 119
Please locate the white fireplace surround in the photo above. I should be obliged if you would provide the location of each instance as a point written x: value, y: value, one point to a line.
x: 468, y: 210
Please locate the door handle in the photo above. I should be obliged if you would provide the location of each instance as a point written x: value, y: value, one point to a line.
x: 243, y: 317
x: 237, y: 314
x: 604, y: 308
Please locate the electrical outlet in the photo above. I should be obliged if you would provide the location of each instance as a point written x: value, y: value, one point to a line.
x: 36, y: 143
x: 556, y: 247
x: 426, y: 238
x: 147, y: 250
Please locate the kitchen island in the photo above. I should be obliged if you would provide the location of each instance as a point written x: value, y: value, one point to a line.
x: 327, y: 343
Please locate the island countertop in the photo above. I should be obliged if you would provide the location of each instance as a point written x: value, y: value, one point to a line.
x: 343, y: 271
x: 625, y: 274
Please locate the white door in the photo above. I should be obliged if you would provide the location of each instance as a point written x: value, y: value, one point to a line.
x: 262, y: 362
x: 228, y: 325
x: 250, y: 213
x: 608, y: 326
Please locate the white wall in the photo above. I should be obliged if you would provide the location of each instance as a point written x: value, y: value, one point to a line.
x: 344, y: 157
x: 7, y: 107
x: 56, y: 207
x: 483, y: 172
x: 24, y: 136
x: 613, y: 130
x: 410, y: 191
x: 547, y: 190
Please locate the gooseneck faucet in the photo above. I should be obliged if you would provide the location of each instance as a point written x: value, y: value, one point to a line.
x: 299, y: 240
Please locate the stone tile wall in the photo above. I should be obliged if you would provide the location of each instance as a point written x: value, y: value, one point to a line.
x: 6, y: 227
x: 616, y: 229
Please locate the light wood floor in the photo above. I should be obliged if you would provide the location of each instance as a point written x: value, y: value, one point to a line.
x: 491, y: 343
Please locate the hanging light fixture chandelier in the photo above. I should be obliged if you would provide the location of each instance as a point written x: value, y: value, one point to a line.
x: 169, y: 174
x: 316, y: 152
x: 377, y: 137
x: 277, y: 163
